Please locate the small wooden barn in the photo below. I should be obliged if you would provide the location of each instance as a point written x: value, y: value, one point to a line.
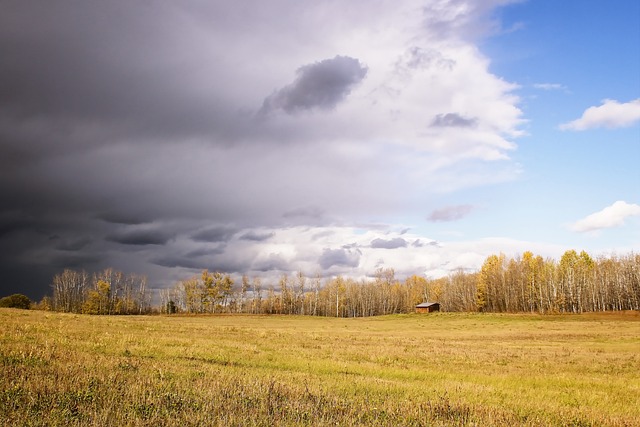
x: 427, y: 307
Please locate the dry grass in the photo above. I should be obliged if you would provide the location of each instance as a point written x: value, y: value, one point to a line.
x: 440, y: 370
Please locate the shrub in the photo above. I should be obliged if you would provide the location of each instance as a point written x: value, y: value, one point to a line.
x: 16, y: 301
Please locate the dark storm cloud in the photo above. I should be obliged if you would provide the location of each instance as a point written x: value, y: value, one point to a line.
x: 322, y: 85
x: 206, y: 251
x: 453, y: 120
x: 29, y: 278
x: 395, y: 243
x: 92, y: 97
x: 79, y: 74
x: 214, y: 234
x: 125, y: 218
x: 75, y: 260
x: 141, y: 237
x: 73, y: 245
x: 173, y: 261
x: 339, y: 257
x: 212, y: 260
x: 13, y: 221
x: 254, y: 236
x: 274, y: 262
x: 450, y: 213
x: 311, y: 212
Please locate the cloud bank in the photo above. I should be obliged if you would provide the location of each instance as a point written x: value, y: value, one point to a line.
x: 202, y: 134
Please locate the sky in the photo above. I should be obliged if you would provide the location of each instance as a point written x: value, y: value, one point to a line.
x: 328, y: 137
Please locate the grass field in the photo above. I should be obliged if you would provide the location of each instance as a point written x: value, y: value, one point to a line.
x: 439, y: 369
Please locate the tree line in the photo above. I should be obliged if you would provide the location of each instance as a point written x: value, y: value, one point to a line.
x: 524, y: 283
x: 105, y: 292
x: 575, y: 284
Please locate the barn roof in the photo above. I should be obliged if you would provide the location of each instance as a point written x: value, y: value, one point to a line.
x: 427, y: 304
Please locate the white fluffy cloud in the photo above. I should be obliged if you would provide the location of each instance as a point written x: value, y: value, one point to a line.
x: 611, y: 114
x: 611, y: 216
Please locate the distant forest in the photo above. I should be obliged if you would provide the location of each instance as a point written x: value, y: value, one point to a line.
x: 527, y: 283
